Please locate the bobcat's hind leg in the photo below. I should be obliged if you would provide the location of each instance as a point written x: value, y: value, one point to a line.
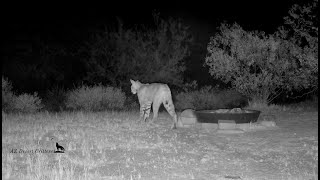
x: 171, y: 110
x: 155, y: 109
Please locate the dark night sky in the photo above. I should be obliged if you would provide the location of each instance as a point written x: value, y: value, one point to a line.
x: 262, y: 14
x: 72, y: 22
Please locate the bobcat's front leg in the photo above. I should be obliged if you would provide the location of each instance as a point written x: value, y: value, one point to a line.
x: 145, y: 111
x: 142, y: 114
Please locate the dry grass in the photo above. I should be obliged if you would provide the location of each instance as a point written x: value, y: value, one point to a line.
x: 113, y: 145
x: 310, y: 105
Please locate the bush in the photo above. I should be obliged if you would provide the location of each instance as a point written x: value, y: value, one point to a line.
x: 232, y: 99
x: 27, y: 103
x: 95, y: 98
x: 209, y: 98
x: 131, y: 103
x: 55, y: 99
x: 184, y: 100
x: 156, y: 54
x: 7, y: 95
x: 262, y: 65
x: 197, y: 99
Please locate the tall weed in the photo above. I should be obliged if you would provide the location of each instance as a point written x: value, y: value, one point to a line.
x: 7, y: 95
x: 209, y: 98
x: 27, y: 103
x: 95, y: 98
x: 55, y: 99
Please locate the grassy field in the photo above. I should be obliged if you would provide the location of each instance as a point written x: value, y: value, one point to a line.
x: 114, y: 145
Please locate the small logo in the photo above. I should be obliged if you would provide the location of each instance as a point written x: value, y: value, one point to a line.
x: 60, y: 149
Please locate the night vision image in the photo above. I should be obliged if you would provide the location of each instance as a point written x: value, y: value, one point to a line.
x: 160, y: 90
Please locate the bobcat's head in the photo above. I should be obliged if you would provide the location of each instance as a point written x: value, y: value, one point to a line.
x: 135, y: 85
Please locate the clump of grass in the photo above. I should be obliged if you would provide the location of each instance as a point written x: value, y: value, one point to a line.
x: 307, y: 105
x: 262, y: 106
x: 209, y: 98
x: 132, y: 103
x: 25, y: 103
x: 7, y: 95
x: 95, y: 98
x: 96, y: 142
x: 86, y: 136
x: 54, y: 99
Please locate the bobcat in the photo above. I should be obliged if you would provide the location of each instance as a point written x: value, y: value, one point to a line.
x: 154, y: 94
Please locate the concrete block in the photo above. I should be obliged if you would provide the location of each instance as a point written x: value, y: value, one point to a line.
x: 230, y: 131
x: 227, y: 124
x: 209, y: 125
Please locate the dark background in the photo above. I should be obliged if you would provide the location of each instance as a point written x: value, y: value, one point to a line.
x: 69, y: 24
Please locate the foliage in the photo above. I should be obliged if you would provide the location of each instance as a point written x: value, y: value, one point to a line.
x: 131, y: 103
x: 300, y: 39
x: 266, y: 108
x: 259, y: 66
x: 192, y: 86
x: 209, y: 98
x: 301, y: 25
x: 241, y: 58
x: 7, y: 94
x: 95, y: 98
x: 184, y: 100
x: 146, y: 54
x: 55, y: 99
x: 27, y: 103
x: 231, y: 98
x: 36, y: 65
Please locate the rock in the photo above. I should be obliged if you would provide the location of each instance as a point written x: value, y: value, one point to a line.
x: 187, y: 118
x: 189, y: 113
x: 268, y: 123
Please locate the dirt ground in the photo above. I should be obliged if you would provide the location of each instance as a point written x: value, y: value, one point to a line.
x: 287, y: 152
x: 104, y: 146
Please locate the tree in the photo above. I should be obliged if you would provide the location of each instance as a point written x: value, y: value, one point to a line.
x: 301, y: 25
x: 141, y: 53
x: 34, y: 65
x: 300, y: 36
x: 258, y: 65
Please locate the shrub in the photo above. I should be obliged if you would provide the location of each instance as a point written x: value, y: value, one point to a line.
x: 262, y: 106
x: 205, y: 98
x: 131, y: 103
x: 7, y: 95
x: 55, y: 99
x: 95, y: 98
x: 156, y: 54
x: 262, y: 65
x: 232, y: 99
x: 113, y: 98
x: 209, y: 98
x: 184, y: 100
x: 198, y: 99
x: 27, y: 103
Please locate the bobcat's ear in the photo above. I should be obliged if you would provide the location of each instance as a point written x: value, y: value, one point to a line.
x: 132, y: 81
